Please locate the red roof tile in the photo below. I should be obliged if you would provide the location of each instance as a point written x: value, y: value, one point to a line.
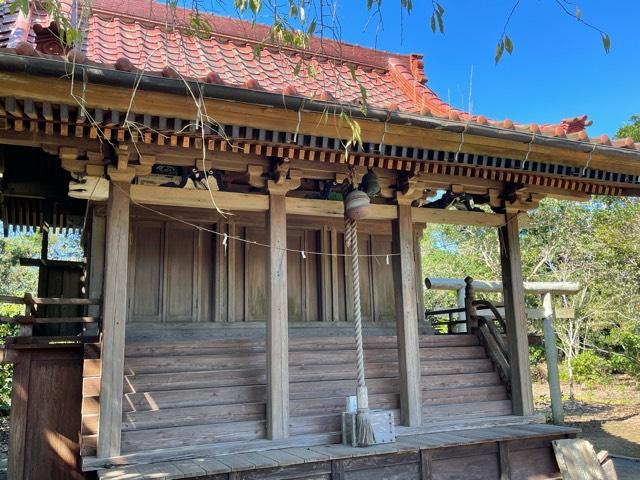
x: 139, y: 35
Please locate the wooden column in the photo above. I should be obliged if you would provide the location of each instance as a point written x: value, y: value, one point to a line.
x: 114, y: 310
x: 551, y: 353
x: 96, y: 263
x: 277, y: 321
x: 515, y: 316
x: 462, y: 316
x: 407, y: 318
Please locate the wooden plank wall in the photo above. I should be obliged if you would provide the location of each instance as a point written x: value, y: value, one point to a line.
x: 44, y: 441
x: 195, y: 386
x: 180, y: 274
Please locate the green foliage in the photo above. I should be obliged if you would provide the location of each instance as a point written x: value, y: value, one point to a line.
x: 536, y: 355
x: 593, y: 243
x: 16, y: 280
x: 589, y: 367
x: 631, y: 128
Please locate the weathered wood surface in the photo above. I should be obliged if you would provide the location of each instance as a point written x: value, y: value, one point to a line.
x: 577, y: 460
x: 558, y: 288
x: 277, y: 395
x: 114, y: 319
x: 45, y: 419
x: 481, y: 454
x: 515, y: 316
x: 180, y: 394
x: 180, y: 274
x: 407, y: 319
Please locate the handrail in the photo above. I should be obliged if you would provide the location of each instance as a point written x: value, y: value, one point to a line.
x: 485, y: 304
x: 30, y: 320
x: 25, y: 338
x: 445, y: 311
x: 28, y: 300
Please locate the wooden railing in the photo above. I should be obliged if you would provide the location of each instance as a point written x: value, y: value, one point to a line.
x: 26, y: 337
x: 491, y: 330
x: 449, y: 322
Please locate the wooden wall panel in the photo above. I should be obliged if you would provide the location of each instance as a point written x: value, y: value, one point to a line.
x: 313, y: 280
x: 366, y: 290
x: 340, y: 285
x: 181, y: 263
x: 255, y: 276
x: 383, y: 287
x: 172, y: 273
x: 45, y: 418
x: 180, y: 274
x: 146, y: 272
x: 205, y: 279
x: 303, y: 276
x: 296, y: 277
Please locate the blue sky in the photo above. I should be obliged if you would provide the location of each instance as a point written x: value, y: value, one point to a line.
x: 558, y: 67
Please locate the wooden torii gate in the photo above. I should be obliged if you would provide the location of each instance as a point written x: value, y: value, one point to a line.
x: 547, y: 313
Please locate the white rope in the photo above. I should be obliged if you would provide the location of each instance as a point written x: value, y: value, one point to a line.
x: 351, y: 234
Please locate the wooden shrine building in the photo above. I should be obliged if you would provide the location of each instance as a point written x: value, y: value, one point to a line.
x: 207, y: 179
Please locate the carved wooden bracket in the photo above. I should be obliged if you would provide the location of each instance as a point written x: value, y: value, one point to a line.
x: 255, y: 173
x: 291, y: 183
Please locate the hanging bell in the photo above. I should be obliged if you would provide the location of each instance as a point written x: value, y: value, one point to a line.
x: 370, y: 184
x: 356, y: 205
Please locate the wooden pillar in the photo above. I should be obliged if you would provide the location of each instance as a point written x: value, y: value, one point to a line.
x: 407, y: 318
x: 423, y: 326
x: 96, y: 263
x: 462, y: 316
x: 551, y: 353
x: 515, y: 316
x: 277, y: 322
x: 114, y: 310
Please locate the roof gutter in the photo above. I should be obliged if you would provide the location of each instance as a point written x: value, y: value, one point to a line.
x: 100, y: 75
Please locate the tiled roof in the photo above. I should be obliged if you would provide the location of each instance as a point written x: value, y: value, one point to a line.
x: 139, y: 35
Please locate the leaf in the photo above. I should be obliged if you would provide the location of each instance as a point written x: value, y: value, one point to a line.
x: 440, y: 8
x: 440, y: 22
x: 303, y: 14
x: 499, y: 50
x: 578, y: 13
x: 508, y: 44
x: 606, y: 42
x: 255, y: 6
x: 352, y: 70
x: 312, y: 27
x: 296, y: 69
x: 325, y: 116
x: 433, y: 23
x: 363, y: 97
x: 363, y: 93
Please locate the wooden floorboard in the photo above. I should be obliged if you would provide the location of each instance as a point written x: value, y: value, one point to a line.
x: 265, y: 458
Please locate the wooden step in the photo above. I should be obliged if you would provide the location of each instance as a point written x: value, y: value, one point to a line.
x: 139, y: 365
x: 150, y: 382
x: 139, y: 440
x: 447, y: 382
x: 193, y: 398
x: 174, y: 417
x: 145, y: 401
x: 494, y: 408
x: 463, y: 395
x: 202, y: 345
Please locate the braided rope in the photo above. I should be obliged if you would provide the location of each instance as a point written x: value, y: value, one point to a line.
x: 351, y: 233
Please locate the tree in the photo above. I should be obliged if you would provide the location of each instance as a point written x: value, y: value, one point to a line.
x: 293, y: 22
x: 631, y: 128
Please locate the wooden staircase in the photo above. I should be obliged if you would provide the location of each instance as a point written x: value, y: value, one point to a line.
x: 210, y: 390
